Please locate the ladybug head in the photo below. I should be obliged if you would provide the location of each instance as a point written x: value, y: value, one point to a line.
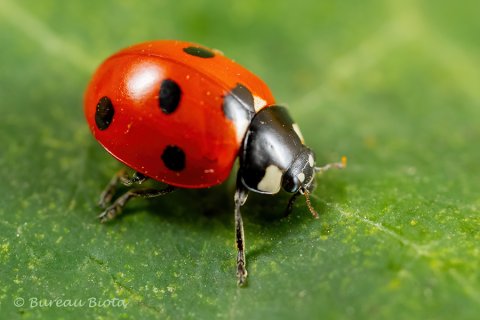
x: 300, y: 177
x: 301, y: 174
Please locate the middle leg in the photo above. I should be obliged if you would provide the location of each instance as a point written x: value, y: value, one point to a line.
x: 117, y: 206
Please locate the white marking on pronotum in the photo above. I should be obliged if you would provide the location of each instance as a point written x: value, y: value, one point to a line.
x: 272, y: 180
x: 311, y: 162
x: 241, y: 126
x: 296, y: 128
x: 301, y: 177
x: 236, y: 112
x: 258, y: 103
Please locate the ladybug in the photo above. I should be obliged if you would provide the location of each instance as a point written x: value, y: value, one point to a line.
x: 181, y: 113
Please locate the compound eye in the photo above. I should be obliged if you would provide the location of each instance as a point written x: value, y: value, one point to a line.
x: 291, y: 184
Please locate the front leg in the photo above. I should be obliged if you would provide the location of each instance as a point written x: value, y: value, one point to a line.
x: 290, y: 204
x: 241, y: 195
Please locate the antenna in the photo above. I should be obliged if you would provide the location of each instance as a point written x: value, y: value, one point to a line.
x: 336, y: 165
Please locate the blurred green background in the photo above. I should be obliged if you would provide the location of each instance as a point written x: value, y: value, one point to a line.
x: 393, y: 85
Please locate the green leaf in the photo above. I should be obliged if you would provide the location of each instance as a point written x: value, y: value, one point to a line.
x: 394, y: 86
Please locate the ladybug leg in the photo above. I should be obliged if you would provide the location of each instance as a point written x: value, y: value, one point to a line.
x: 109, y: 191
x: 117, y: 206
x: 241, y: 195
x: 122, y: 177
x: 291, y: 201
x: 306, y: 192
x: 136, y: 178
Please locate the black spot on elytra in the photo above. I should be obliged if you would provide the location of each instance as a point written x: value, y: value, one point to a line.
x: 104, y: 113
x: 199, y: 52
x: 174, y: 158
x: 239, y: 104
x: 169, y: 96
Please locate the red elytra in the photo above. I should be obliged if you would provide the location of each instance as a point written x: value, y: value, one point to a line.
x: 139, y: 131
